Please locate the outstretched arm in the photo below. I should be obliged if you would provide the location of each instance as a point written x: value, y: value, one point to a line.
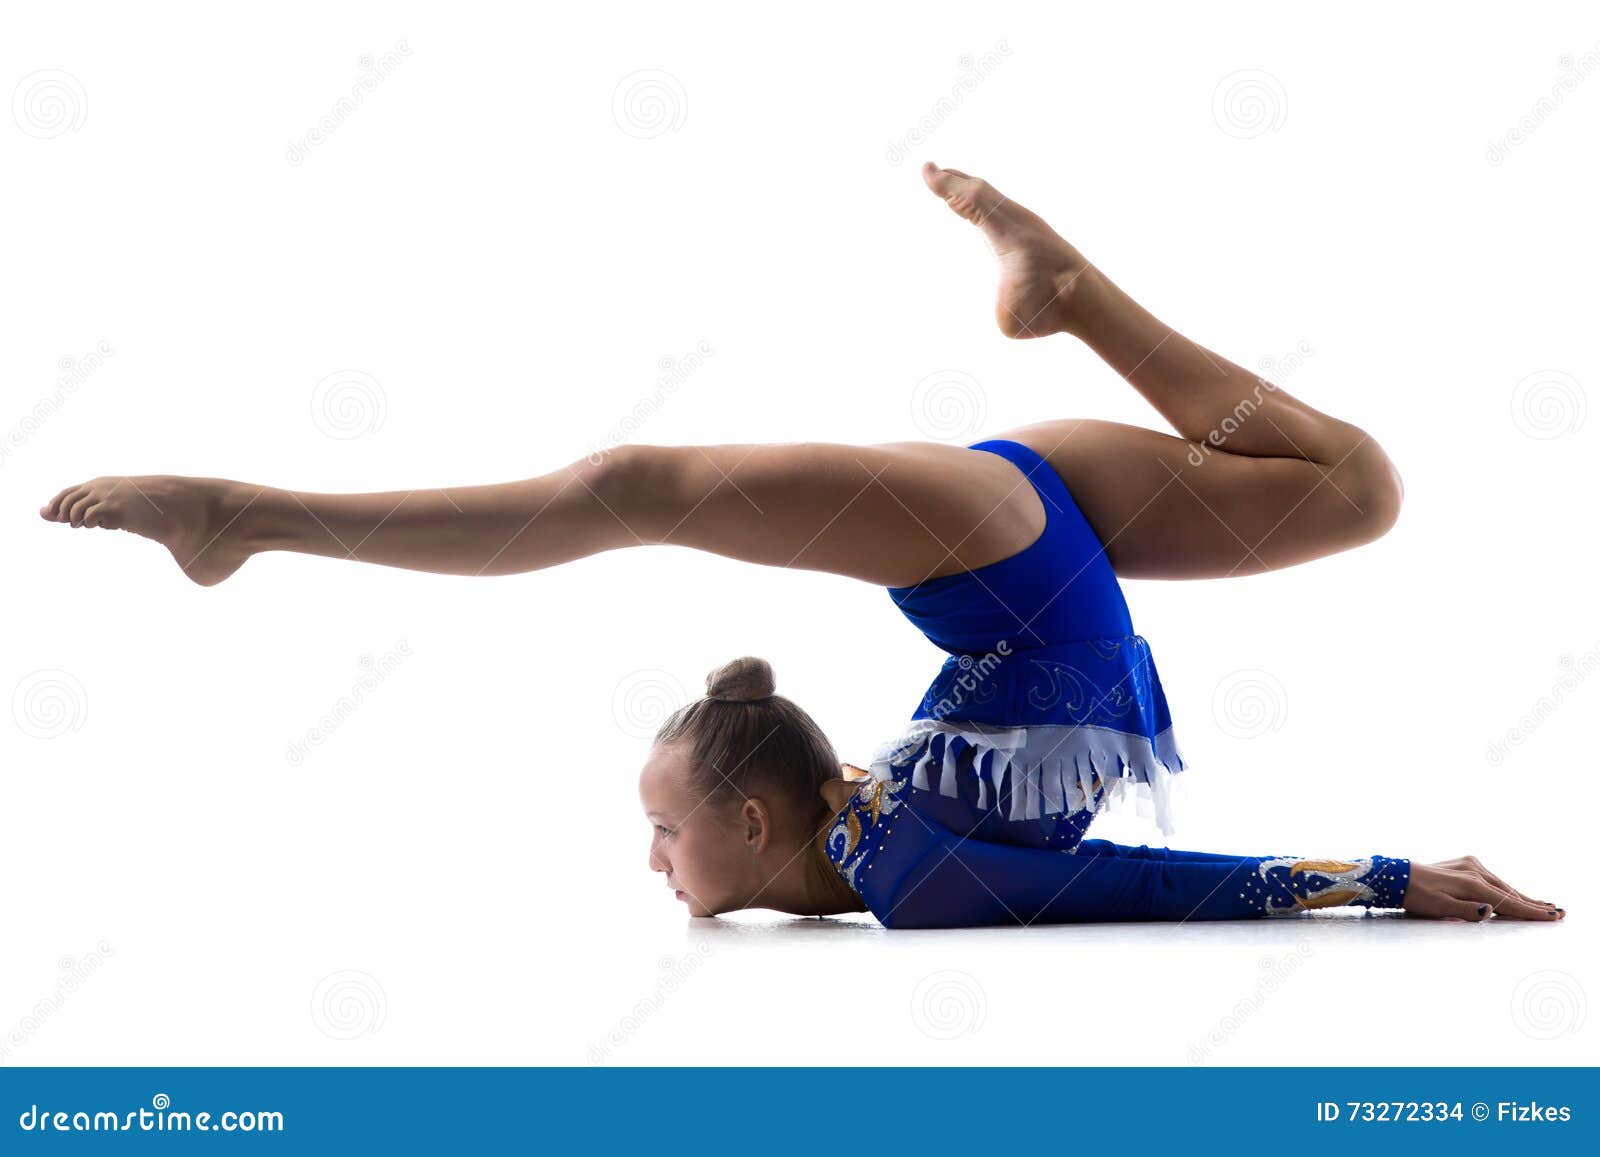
x: 965, y: 883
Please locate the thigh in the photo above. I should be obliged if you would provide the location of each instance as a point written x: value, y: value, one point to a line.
x: 1165, y: 507
x: 891, y: 514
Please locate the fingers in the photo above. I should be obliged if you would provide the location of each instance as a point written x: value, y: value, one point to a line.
x: 1505, y: 904
x: 1474, y: 865
x: 1505, y: 887
x: 1543, y: 905
x: 1467, y: 888
x: 1474, y: 911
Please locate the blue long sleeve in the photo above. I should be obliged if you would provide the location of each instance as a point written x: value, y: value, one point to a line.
x: 948, y: 881
x: 924, y: 859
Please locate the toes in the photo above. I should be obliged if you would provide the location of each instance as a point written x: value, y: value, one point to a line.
x: 52, y: 509
x: 945, y: 182
x: 63, y: 509
x: 80, y: 504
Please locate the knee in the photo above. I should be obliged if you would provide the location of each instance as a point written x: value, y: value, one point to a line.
x: 1376, y: 488
x: 630, y: 481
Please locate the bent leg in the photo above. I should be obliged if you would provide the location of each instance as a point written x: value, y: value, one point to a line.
x: 1165, y: 508
x: 1257, y: 479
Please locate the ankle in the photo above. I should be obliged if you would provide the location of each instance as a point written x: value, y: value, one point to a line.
x: 1081, y: 300
x: 253, y: 516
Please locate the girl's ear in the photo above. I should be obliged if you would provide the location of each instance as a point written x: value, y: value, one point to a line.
x: 851, y: 771
x: 757, y: 824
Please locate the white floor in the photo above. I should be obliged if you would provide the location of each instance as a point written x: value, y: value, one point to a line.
x: 1368, y: 989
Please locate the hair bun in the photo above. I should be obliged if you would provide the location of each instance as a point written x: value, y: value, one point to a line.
x: 741, y: 681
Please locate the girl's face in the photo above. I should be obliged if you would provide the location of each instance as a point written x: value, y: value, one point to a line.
x: 700, y: 846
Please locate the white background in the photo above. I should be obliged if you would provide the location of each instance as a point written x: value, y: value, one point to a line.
x: 507, y: 245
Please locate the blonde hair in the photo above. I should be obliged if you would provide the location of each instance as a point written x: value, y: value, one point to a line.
x: 744, y: 739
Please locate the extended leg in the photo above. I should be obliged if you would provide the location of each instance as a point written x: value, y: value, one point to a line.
x: 212, y: 525
x: 1258, y: 479
x: 891, y: 514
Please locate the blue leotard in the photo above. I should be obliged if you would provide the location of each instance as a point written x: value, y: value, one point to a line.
x: 1048, y: 707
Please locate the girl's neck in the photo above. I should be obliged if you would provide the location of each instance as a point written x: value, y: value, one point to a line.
x: 827, y: 893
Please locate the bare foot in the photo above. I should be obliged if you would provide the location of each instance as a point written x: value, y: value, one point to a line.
x: 194, y: 518
x: 1039, y: 271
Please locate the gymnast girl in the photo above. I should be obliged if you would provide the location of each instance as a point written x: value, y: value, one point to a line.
x: 1006, y: 553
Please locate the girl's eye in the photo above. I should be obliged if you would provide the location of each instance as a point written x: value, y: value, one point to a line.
x: 663, y: 830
